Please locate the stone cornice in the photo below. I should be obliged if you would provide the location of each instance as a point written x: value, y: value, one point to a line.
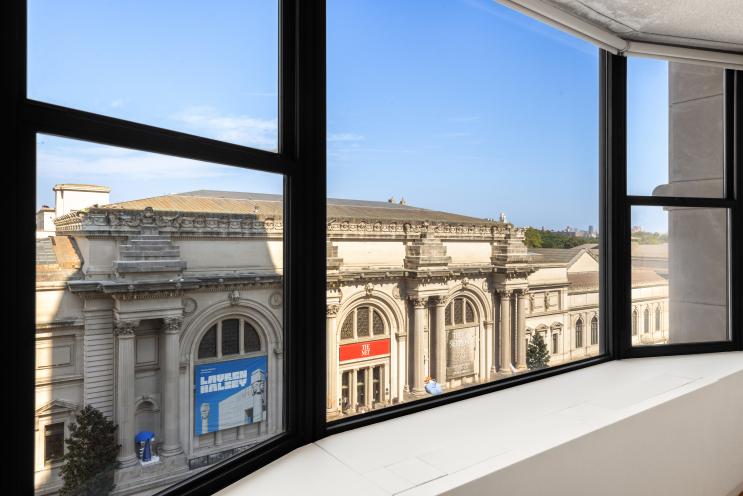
x: 340, y: 228
x: 135, y: 290
x: 106, y: 222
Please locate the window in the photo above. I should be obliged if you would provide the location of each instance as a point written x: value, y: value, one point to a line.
x: 680, y: 177
x: 201, y: 322
x: 579, y: 333
x: 594, y: 331
x: 54, y: 439
x: 225, y: 89
x: 433, y: 256
x: 163, y: 215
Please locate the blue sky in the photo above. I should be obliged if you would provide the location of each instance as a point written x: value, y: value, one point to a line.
x: 463, y: 105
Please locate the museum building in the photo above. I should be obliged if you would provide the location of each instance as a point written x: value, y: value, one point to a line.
x: 165, y: 314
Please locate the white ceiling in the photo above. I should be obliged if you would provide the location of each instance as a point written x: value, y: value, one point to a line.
x: 716, y: 24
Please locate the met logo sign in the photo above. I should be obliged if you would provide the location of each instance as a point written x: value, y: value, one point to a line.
x: 366, y: 349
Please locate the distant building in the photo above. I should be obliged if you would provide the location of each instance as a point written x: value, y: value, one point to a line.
x: 137, y: 299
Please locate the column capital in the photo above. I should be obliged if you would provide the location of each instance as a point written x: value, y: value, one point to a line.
x: 437, y: 300
x: 524, y: 292
x: 505, y: 293
x: 172, y: 325
x: 418, y: 302
x: 332, y: 309
x: 125, y: 328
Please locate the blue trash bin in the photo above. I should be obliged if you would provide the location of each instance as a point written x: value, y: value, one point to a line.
x: 144, y: 443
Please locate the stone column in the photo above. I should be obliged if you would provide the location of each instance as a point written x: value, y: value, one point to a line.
x: 439, y: 369
x: 419, y: 319
x: 125, y: 391
x: 523, y: 302
x: 331, y: 400
x: 171, y: 369
x: 505, y: 332
x: 488, y: 326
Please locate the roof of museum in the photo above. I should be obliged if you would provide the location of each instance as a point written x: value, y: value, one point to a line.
x: 590, y: 280
x: 57, y: 259
x: 558, y: 255
x: 232, y: 202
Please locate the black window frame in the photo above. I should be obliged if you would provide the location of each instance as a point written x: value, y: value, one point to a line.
x: 301, y: 157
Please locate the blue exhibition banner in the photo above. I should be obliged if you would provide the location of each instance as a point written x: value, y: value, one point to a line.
x: 229, y: 394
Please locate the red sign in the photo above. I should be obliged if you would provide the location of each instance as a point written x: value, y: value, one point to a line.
x: 366, y: 349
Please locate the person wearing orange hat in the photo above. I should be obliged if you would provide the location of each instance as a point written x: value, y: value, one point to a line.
x: 432, y: 387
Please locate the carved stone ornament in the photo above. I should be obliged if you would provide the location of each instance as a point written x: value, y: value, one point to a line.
x: 333, y: 310
x: 276, y: 299
x: 369, y: 288
x: 419, y: 302
x: 546, y: 300
x: 172, y: 325
x: 234, y: 297
x: 189, y: 306
x: 465, y: 282
x: 125, y: 328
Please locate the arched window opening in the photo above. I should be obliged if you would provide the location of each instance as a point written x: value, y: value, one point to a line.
x: 646, y: 321
x: 579, y: 333
x: 363, y: 322
x: 594, y: 330
x: 459, y: 312
x: 635, y: 322
x: 657, y: 318
x: 223, y: 339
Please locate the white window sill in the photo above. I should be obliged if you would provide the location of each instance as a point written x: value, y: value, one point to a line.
x: 624, y: 421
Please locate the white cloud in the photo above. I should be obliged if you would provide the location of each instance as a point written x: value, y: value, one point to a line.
x: 116, y: 164
x: 344, y: 137
x: 240, y: 129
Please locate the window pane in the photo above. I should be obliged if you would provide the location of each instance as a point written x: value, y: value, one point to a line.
x: 230, y: 336
x: 185, y: 66
x: 362, y: 322
x: 675, y: 118
x: 208, y: 344
x: 444, y: 174
x: 252, y: 340
x: 680, y: 271
x: 140, y: 259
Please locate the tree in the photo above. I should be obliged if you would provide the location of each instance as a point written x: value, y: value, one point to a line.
x: 537, y: 354
x: 532, y: 238
x: 90, y: 459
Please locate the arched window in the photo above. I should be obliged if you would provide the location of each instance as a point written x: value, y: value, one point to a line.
x: 635, y: 322
x: 223, y: 339
x: 594, y: 330
x: 579, y: 333
x: 646, y: 321
x: 363, y: 322
x: 657, y: 318
x: 554, y: 343
x: 459, y: 312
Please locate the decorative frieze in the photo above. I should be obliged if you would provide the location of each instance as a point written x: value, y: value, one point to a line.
x: 104, y: 221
